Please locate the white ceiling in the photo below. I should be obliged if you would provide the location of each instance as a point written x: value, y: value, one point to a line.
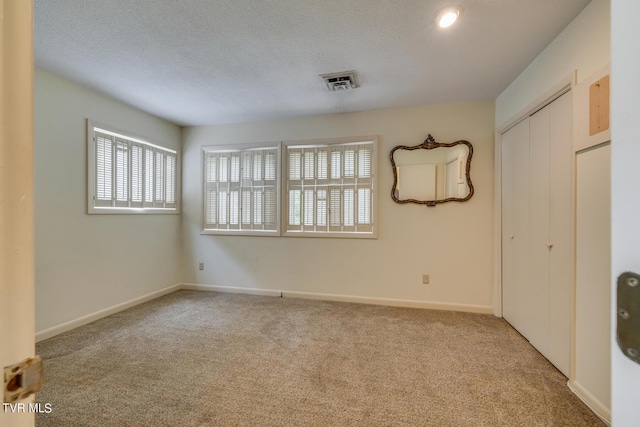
x: 199, y: 62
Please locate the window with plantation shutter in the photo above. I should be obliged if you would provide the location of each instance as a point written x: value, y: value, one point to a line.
x: 329, y: 188
x: 129, y: 175
x: 241, y: 189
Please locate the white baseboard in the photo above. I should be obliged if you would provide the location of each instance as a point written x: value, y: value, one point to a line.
x: 343, y: 298
x: 391, y: 302
x: 594, y: 404
x: 72, y: 324
x: 231, y: 289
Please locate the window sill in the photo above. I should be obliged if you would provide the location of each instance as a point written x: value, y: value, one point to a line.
x: 255, y: 233
x: 132, y: 211
x: 333, y: 235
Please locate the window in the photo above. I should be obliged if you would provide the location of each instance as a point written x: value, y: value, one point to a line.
x: 330, y: 189
x: 241, y: 189
x: 129, y: 175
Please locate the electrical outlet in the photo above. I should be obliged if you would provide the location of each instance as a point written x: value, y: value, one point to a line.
x: 425, y: 279
x: 201, y: 266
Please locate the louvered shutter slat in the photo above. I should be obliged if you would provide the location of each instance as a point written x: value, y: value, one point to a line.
x: 104, y: 150
x: 170, y: 182
x: 122, y: 172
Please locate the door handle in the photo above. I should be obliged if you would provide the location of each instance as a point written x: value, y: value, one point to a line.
x: 628, y: 318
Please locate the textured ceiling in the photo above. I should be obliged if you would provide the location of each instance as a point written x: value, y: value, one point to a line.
x: 199, y: 62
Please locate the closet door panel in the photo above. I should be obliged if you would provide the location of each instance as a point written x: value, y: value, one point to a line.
x: 515, y: 148
x: 561, y: 160
x: 507, y: 173
x: 538, y: 296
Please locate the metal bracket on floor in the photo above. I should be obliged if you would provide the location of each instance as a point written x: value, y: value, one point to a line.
x: 628, y: 328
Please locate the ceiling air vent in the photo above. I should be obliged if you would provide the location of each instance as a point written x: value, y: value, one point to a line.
x: 342, y: 81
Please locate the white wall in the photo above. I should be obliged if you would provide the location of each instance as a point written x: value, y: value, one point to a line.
x: 451, y: 242
x: 88, y: 263
x: 584, y: 45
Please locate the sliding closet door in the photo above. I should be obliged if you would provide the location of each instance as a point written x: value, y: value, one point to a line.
x: 515, y: 226
x: 560, y: 234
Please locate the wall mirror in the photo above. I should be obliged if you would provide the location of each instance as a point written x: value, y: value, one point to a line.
x: 431, y: 172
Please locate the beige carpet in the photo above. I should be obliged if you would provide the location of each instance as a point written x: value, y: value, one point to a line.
x: 208, y: 359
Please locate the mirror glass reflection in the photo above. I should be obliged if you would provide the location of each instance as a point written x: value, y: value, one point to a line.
x: 432, y: 173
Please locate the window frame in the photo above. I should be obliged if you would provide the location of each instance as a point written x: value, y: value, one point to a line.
x: 328, y: 143
x: 242, y: 148
x: 131, y: 139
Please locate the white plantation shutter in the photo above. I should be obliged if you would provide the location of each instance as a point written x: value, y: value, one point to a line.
x: 270, y: 207
x: 245, y: 182
x: 170, y: 182
x: 294, y: 207
x: 322, y: 164
x: 308, y: 209
x: 234, y: 208
x: 137, y: 175
x: 309, y: 166
x: 222, y: 207
x: 349, y: 163
x: 211, y: 168
x: 257, y: 166
x: 122, y: 172
x: 160, y: 177
x: 336, y: 164
x: 257, y: 207
x: 129, y: 175
x: 270, y: 164
x: 235, y: 168
x: 335, y: 208
x: 224, y: 168
x: 246, y: 207
x: 295, y: 165
x: 364, y: 206
x: 149, y: 177
x: 321, y: 214
x: 330, y: 189
x: 364, y: 162
x: 104, y: 169
x: 348, y: 207
x: 246, y: 165
x: 211, y: 207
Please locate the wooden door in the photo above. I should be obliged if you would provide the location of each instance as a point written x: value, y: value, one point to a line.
x: 625, y: 194
x: 17, y: 334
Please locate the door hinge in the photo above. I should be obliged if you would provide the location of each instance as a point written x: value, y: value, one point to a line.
x: 22, y: 379
x: 628, y: 316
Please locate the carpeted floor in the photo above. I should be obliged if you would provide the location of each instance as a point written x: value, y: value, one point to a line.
x: 208, y: 359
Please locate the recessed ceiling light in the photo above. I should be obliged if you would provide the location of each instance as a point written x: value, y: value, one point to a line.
x: 447, y: 17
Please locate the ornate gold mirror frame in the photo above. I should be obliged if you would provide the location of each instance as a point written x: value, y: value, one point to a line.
x: 431, y: 144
